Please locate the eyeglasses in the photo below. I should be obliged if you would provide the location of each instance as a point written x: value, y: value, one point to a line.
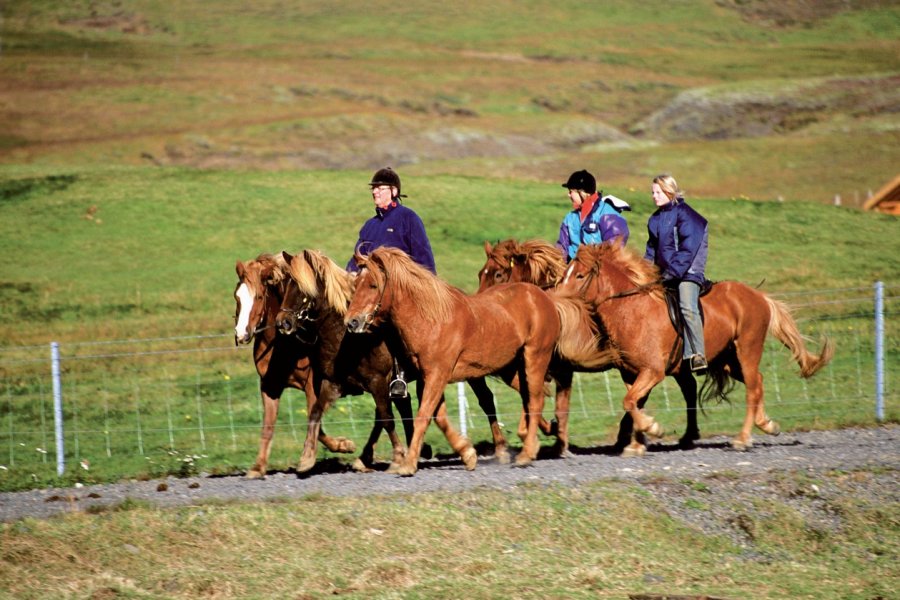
x: 381, y: 188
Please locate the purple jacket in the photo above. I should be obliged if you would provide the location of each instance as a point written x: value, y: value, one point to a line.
x: 397, y: 227
x: 679, y: 242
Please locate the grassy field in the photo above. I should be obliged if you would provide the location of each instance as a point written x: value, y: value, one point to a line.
x: 603, y: 540
x: 147, y: 146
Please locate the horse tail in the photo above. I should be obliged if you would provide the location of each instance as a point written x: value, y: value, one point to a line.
x: 580, y: 342
x: 784, y: 328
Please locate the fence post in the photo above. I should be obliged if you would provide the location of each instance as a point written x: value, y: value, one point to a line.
x: 57, y: 409
x: 463, y: 406
x: 879, y: 350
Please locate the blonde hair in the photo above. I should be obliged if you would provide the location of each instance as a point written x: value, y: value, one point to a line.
x: 668, y: 185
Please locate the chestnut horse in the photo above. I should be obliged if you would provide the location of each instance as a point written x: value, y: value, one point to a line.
x: 541, y: 263
x: 313, y: 308
x: 509, y: 330
x: 627, y: 299
x: 281, y: 362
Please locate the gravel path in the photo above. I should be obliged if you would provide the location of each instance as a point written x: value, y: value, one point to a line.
x: 873, y: 454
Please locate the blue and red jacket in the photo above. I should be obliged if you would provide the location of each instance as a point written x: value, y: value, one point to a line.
x: 678, y: 242
x: 603, y: 223
x: 398, y: 227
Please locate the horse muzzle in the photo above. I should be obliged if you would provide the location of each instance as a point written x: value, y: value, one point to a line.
x: 287, y: 324
x: 359, y: 323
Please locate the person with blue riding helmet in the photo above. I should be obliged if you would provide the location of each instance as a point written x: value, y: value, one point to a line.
x: 396, y: 226
x: 594, y: 218
x: 393, y: 224
x: 678, y: 244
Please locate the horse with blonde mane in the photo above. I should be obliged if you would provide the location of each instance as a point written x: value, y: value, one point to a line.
x: 280, y: 362
x: 625, y: 295
x: 542, y: 263
x: 510, y: 331
x: 315, y: 301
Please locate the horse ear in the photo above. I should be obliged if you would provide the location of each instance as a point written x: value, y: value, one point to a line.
x: 240, y: 269
x: 487, y: 247
x: 286, y: 256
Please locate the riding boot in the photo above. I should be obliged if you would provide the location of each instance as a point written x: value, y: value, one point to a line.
x: 398, y: 388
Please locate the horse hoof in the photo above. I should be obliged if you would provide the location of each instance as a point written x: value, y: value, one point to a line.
x: 406, y: 471
x: 740, y: 445
x: 305, y: 465
x: 634, y: 451
x: 502, y: 456
x: 360, y: 467
x: 655, y: 429
x: 522, y: 460
x: 772, y: 428
x: 254, y: 474
x: 469, y: 458
x: 346, y: 446
x: 426, y: 452
x: 686, y: 443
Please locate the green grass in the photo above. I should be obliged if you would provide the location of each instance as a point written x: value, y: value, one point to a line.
x: 156, y: 259
x: 602, y: 540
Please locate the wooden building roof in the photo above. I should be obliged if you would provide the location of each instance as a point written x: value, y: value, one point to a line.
x: 887, y: 199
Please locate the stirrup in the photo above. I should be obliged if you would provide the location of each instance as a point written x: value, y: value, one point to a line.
x: 397, y: 388
x: 698, y: 363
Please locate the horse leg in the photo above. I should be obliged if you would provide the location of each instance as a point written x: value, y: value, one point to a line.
x: 430, y: 395
x: 561, y: 411
x: 546, y: 427
x: 634, y: 401
x: 532, y: 371
x: 270, y: 415
x: 688, y: 386
x: 629, y: 442
x: 753, y: 382
x: 460, y: 443
x: 486, y: 401
x: 321, y: 402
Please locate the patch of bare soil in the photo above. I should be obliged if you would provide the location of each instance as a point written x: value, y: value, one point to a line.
x: 796, y: 13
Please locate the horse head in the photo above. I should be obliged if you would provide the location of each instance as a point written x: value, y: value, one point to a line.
x: 258, y: 287
x: 317, y: 284
x: 370, y: 292
x: 499, y: 266
x: 532, y: 261
x: 609, y: 270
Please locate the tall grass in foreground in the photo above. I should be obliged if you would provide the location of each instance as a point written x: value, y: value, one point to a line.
x: 600, y: 540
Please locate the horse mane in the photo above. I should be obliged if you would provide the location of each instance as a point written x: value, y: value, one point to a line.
x: 545, y: 260
x: 545, y: 265
x: 640, y: 272
x: 274, y: 265
x: 432, y: 296
x: 336, y: 283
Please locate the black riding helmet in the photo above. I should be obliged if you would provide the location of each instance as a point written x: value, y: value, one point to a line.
x: 386, y: 176
x: 581, y: 180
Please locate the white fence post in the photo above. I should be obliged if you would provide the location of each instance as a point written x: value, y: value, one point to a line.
x: 57, y: 409
x: 463, y: 406
x: 879, y: 350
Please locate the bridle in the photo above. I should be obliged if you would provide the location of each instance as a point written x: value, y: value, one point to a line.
x: 301, y: 316
x: 370, y: 317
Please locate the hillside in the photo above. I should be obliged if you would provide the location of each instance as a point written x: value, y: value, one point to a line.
x: 742, y: 99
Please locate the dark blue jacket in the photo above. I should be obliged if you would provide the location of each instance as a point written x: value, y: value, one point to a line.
x: 679, y: 242
x: 397, y: 227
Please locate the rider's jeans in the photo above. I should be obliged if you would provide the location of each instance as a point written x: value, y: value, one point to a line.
x: 689, y: 301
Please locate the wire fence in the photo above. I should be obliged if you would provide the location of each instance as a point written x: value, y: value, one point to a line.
x: 157, y: 405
